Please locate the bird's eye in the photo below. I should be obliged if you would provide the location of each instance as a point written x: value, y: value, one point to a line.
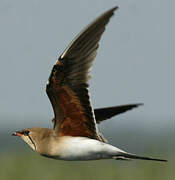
x: 26, y: 133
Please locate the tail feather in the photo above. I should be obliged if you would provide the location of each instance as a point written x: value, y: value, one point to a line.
x: 128, y: 156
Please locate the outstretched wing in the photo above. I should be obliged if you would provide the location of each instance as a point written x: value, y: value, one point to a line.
x: 102, y: 114
x: 67, y: 86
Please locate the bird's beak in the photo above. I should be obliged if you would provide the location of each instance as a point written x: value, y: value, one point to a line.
x: 16, y: 134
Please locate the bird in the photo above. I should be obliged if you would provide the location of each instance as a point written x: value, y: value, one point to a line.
x: 75, y: 135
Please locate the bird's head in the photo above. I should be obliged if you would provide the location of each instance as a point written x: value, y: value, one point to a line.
x: 35, y: 137
x: 28, y: 135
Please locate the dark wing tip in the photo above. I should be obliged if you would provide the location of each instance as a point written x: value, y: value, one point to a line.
x: 131, y: 106
x: 111, y: 10
x: 139, y: 104
x: 115, y: 8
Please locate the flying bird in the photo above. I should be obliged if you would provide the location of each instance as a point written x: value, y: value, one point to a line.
x: 75, y: 135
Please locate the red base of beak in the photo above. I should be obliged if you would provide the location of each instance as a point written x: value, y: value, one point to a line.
x: 16, y: 134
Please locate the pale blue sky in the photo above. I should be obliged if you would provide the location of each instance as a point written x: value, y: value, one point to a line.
x: 135, y: 62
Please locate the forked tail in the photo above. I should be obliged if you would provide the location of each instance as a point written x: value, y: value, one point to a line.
x: 128, y: 156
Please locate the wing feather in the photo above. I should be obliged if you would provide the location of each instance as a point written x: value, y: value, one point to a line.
x: 105, y: 113
x: 67, y: 86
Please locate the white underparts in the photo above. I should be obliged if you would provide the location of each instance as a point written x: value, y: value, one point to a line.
x: 81, y: 148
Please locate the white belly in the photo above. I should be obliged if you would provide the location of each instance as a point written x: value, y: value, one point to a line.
x: 81, y: 148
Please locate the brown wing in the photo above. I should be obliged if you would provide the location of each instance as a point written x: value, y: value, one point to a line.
x: 67, y: 86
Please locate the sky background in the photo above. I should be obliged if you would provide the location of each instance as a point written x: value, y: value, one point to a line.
x: 135, y: 61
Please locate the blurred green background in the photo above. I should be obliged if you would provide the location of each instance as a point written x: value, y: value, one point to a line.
x: 18, y: 161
